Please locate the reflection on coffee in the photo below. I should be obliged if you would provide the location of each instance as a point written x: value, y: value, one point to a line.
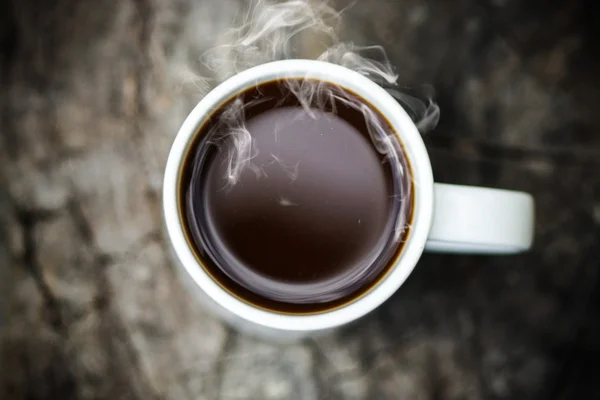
x: 290, y: 205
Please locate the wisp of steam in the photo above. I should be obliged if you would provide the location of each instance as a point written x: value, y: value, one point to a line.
x: 270, y: 31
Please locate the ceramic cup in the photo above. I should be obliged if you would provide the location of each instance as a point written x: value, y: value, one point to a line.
x: 446, y: 218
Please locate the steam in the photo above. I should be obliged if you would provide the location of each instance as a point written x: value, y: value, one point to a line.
x: 243, y: 149
x: 270, y: 31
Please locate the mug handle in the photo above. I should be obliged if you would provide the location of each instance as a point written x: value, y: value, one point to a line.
x: 477, y: 220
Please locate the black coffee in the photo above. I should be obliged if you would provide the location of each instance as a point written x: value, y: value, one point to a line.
x: 294, y: 212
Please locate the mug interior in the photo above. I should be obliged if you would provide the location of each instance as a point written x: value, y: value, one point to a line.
x: 412, y: 147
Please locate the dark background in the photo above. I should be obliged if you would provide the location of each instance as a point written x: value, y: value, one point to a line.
x: 91, y: 307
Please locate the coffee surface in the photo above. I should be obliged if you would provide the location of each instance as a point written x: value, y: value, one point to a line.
x: 308, y: 217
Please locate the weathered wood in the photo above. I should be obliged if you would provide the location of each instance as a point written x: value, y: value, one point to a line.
x: 92, y: 97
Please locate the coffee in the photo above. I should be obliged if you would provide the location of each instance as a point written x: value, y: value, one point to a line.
x: 303, y: 218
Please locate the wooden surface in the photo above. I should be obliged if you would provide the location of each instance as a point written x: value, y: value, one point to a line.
x: 91, y: 307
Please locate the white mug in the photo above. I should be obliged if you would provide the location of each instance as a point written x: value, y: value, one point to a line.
x: 446, y: 218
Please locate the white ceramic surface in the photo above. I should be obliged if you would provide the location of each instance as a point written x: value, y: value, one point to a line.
x: 467, y: 219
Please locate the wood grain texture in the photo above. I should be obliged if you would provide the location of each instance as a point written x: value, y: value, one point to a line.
x: 93, y: 93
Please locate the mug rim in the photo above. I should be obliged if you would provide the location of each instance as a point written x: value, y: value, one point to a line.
x: 412, y: 144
